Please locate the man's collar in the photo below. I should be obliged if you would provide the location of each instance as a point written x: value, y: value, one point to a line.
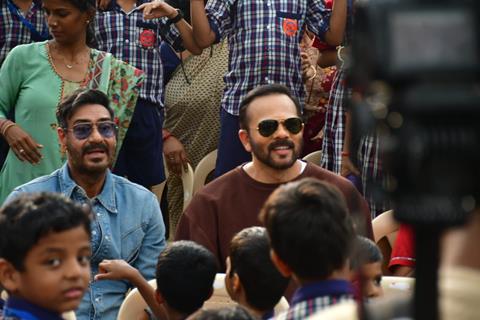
x: 17, y: 307
x: 106, y: 197
x: 322, y: 288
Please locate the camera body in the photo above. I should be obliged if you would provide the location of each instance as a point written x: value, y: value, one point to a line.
x: 415, y: 70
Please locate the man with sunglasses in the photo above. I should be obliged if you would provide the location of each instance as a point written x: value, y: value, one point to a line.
x: 271, y: 130
x: 128, y: 223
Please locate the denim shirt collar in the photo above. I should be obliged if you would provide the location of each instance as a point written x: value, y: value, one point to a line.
x: 106, y: 198
x: 23, y: 309
x: 322, y: 288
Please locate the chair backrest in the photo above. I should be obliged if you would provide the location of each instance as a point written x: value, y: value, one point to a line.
x: 203, y: 169
x: 134, y: 305
x: 314, y: 157
x: 384, y: 225
x: 187, y: 183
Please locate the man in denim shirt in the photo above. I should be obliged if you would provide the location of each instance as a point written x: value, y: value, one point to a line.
x: 128, y: 223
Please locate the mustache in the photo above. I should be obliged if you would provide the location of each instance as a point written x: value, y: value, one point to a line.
x: 98, y: 146
x: 281, y: 143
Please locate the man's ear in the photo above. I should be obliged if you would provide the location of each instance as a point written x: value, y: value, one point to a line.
x: 62, y: 137
x: 245, y: 139
x: 281, y: 266
x: 9, y: 276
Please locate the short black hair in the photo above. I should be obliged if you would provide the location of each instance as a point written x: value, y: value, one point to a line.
x: 225, y: 313
x: 365, y: 251
x: 185, y: 275
x: 309, y: 227
x: 250, y: 260
x: 263, y: 91
x: 29, y: 217
x: 79, y: 98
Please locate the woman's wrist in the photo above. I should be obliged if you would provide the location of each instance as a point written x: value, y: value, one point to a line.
x: 165, y: 135
x: 5, y: 126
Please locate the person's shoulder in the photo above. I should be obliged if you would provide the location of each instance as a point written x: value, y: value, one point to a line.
x: 224, y: 183
x: 43, y: 183
x: 315, y: 171
x: 27, y: 49
x: 130, y: 189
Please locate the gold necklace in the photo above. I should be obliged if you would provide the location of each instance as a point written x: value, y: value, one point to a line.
x: 64, y: 60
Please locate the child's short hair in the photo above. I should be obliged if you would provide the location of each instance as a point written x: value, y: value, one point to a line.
x: 250, y: 260
x: 185, y: 275
x: 225, y: 313
x: 29, y: 217
x: 365, y: 251
x: 309, y: 227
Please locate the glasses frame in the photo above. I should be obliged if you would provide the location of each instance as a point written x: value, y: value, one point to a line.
x: 96, y: 124
x: 283, y: 122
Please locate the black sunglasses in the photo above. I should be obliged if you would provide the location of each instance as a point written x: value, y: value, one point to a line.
x: 268, y: 127
x: 107, y: 129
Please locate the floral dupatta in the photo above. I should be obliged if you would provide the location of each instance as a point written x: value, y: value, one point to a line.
x: 121, y: 82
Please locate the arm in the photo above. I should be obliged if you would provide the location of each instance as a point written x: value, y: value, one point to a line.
x: 327, y: 58
x: 328, y: 25
x: 121, y: 270
x: 153, y: 242
x: 347, y: 166
x: 21, y: 143
x: 202, y: 32
x: 338, y: 20
x: 158, y: 9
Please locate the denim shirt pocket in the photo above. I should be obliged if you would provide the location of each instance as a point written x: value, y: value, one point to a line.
x: 131, y: 242
x: 289, y: 22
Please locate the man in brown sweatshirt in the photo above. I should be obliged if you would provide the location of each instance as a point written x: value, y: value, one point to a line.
x: 271, y: 130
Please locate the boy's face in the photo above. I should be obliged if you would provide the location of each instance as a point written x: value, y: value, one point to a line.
x: 372, y: 274
x: 56, y: 271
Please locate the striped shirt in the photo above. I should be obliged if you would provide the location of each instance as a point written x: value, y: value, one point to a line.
x: 264, y: 38
x: 136, y: 41
x: 13, y: 31
x: 314, y: 297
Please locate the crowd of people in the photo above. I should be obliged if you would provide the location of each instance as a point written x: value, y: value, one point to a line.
x: 100, y: 99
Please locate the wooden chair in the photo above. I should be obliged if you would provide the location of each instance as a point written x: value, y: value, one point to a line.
x: 203, y: 169
x: 314, y: 157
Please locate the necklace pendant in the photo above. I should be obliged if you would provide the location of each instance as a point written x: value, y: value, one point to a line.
x: 69, y: 66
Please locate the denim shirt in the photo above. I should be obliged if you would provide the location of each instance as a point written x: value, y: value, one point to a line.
x: 127, y: 225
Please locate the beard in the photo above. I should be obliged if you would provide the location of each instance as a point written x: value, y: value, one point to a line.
x: 77, y: 159
x: 266, y: 156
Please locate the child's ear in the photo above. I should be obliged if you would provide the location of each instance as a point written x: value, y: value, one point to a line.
x: 236, y: 284
x: 9, y: 276
x: 281, y: 266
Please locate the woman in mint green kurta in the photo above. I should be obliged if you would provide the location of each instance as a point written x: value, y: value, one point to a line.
x: 31, y: 87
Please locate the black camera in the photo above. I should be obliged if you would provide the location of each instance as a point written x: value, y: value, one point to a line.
x: 415, y: 68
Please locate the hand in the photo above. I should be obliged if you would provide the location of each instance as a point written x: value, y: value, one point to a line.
x: 318, y: 136
x: 115, y: 270
x: 157, y: 9
x: 308, y: 70
x: 103, y: 4
x: 175, y: 155
x: 23, y: 145
x: 348, y: 167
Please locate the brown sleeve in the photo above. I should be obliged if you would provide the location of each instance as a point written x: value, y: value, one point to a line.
x: 360, y: 212
x: 199, y: 223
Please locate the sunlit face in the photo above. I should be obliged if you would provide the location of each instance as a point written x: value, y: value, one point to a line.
x: 94, y: 154
x: 66, y: 22
x: 280, y: 150
x: 56, y: 271
x: 372, y: 277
